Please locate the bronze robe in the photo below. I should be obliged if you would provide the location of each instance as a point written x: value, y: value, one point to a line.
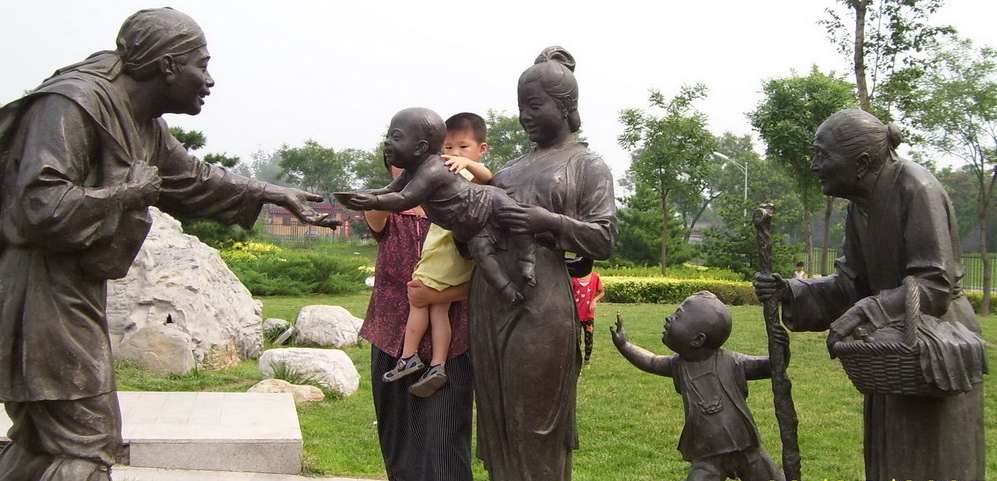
x: 65, y: 156
x: 908, y: 228
x: 525, y: 357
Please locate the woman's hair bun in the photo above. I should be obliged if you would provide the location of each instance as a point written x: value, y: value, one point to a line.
x: 893, y: 135
x: 556, y: 54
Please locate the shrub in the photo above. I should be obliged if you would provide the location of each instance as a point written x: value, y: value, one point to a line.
x: 216, y: 234
x: 269, y: 270
x: 975, y: 298
x: 665, y: 290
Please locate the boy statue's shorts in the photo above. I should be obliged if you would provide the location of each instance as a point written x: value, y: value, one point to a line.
x: 441, y: 265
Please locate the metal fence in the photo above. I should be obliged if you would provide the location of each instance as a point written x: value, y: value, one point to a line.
x: 972, y: 265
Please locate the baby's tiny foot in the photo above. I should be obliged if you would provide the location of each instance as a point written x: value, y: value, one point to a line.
x: 511, y: 295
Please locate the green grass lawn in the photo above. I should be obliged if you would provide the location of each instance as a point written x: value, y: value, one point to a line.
x: 629, y: 421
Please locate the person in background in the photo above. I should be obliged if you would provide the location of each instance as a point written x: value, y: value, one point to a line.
x: 588, y: 291
x: 799, y: 273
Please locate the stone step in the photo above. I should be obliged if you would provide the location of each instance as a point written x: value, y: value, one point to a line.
x: 127, y: 473
x: 247, y: 432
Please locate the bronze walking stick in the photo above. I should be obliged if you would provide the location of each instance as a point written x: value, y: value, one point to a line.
x: 782, y: 386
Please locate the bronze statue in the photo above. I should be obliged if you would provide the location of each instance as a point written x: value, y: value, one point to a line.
x: 720, y: 438
x: 900, y: 225
x: 526, y: 359
x: 82, y: 157
x: 413, y: 142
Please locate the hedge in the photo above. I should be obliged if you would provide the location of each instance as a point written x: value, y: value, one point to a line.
x: 975, y: 298
x: 664, y: 290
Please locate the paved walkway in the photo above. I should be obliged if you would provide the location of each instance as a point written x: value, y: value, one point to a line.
x: 126, y: 473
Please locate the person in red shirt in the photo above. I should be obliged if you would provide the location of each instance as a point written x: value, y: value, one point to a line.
x: 588, y: 291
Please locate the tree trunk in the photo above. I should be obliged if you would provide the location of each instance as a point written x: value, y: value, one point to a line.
x: 808, y: 241
x: 695, y: 219
x: 828, y: 210
x: 860, y: 84
x: 664, y: 233
x: 984, y: 213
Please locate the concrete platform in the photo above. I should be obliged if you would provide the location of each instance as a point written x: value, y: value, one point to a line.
x: 150, y: 474
x: 247, y: 432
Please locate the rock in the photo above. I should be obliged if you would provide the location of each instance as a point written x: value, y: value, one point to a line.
x: 274, y: 324
x: 330, y: 368
x: 177, y: 278
x: 301, y: 393
x: 162, y: 349
x: 326, y: 326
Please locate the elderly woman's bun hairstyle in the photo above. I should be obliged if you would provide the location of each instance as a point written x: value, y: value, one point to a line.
x: 856, y: 131
x: 553, y: 68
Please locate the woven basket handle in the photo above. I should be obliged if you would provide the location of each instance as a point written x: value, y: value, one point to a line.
x: 912, y: 304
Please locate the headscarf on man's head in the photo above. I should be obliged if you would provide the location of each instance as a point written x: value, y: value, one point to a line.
x: 144, y: 38
x: 148, y: 35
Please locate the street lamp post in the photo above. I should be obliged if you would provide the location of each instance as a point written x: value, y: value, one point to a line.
x: 744, y: 168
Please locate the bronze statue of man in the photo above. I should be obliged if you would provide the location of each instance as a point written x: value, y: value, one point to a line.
x: 82, y: 157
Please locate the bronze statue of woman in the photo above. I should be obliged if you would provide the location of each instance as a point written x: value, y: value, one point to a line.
x: 900, y: 223
x: 524, y: 355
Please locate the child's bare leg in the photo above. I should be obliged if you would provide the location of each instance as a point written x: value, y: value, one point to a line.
x: 439, y: 317
x: 415, y: 328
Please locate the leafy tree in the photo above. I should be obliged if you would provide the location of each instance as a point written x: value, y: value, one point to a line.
x: 787, y: 118
x: 886, y: 42
x: 369, y: 171
x: 960, y: 184
x: 191, y: 139
x: 640, y: 223
x: 224, y: 160
x: 266, y: 167
x: 317, y: 168
x: 732, y: 244
x: 669, y: 151
x: 955, y: 107
x: 506, y: 139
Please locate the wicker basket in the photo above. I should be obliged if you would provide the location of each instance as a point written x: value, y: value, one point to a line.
x: 894, y: 367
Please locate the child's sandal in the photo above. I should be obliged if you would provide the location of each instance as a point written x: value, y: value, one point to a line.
x: 403, y: 368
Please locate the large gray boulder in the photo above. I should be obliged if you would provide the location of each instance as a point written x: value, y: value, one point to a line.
x: 326, y: 326
x: 176, y: 278
x: 330, y: 368
x: 162, y: 349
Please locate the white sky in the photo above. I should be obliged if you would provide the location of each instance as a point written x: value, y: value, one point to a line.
x: 336, y: 71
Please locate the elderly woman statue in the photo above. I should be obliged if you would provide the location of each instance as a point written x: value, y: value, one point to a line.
x: 900, y: 223
x: 82, y: 157
x: 525, y: 355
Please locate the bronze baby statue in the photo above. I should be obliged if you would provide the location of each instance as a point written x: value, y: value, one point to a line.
x: 413, y: 142
x: 720, y: 438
